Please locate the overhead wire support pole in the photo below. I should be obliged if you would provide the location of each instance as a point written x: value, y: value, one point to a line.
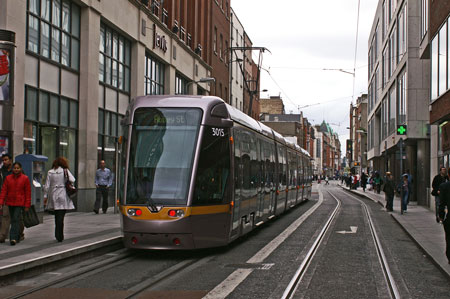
x: 251, y: 92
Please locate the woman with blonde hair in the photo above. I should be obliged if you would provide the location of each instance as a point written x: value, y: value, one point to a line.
x: 55, y: 195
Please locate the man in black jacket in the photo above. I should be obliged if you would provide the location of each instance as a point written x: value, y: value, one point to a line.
x: 389, y: 191
x: 437, y: 181
x: 444, y: 197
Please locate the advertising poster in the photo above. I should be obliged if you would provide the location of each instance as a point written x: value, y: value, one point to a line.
x: 3, y: 145
x: 4, y: 75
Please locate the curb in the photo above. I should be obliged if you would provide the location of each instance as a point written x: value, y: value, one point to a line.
x: 56, y: 257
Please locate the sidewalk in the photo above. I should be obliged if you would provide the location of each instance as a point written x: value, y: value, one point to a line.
x: 83, y: 232
x: 420, y: 224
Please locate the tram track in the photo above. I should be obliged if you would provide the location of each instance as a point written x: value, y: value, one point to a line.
x: 297, y: 278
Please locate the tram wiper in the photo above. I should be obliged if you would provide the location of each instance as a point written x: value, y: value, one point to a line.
x: 153, y: 208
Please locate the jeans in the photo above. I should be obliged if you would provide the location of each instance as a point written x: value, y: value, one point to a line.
x: 437, y: 201
x: 405, y: 200
x: 15, y: 214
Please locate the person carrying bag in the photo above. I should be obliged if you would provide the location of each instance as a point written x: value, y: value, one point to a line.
x: 55, y: 195
x: 16, y: 192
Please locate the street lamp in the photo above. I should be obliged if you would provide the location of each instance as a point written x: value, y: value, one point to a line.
x: 202, y: 80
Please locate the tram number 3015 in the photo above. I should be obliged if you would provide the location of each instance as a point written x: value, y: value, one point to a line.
x: 218, y: 132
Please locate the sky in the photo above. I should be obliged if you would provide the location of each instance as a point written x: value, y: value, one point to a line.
x: 305, y: 37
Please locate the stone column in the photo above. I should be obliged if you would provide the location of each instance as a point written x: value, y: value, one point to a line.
x: 88, y: 108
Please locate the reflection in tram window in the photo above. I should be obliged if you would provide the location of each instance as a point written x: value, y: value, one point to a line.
x: 213, y: 167
x: 161, y: 155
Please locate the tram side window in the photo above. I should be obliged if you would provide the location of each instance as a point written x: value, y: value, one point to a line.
x: 211, y: 184
x: 292, y: 170
x: 282, y: 167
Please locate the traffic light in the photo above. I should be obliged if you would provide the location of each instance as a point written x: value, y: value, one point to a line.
x: 401, y: 130
x: 349, y: 145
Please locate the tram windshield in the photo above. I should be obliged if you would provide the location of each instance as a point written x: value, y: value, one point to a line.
x: 161, y: 155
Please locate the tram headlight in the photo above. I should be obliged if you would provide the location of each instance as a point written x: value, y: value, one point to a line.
x: 176, y: 213
x: 134, y: 212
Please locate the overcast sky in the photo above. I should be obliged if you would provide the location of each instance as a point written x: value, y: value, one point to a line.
x: 305, y: 37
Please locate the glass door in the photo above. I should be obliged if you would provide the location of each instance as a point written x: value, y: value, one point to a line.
x: 49, y: 146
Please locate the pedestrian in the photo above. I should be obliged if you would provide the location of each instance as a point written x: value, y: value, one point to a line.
x: 389, y: 192
x: 378, y: 182
x: 326, y: 180
x: 405, y: 191
x: 103, y: 180
x: 363, y: 181
x: 440, y: 178
x: 444, y: 217
x: 6, y: 221
x: 410, y: 183
x: 55, y: 195
x: 16, y: 193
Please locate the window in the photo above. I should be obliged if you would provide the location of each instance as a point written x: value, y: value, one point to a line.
x: 215, y: 40
x: 442, y: 59
x: 385, y: 19
x: 424, y: 18
x: 392, y: 104
x: 401, y: 99
x: 393, y: 6
x: 54, y: 31
x: 402, y: 34
x: 221, y: 47
x: 154, y: 76
x: 392, y: 52
x: 180, y: 85
x: 114, y: 59
x: 384, y: 118
x: 385, y: 65
x: 434, y: 67
x: 375, y: 87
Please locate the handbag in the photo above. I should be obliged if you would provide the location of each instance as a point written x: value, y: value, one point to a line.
x: 71, y: 190
x: 30, y: 218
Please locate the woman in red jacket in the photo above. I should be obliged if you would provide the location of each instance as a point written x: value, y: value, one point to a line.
x: 16, y: 191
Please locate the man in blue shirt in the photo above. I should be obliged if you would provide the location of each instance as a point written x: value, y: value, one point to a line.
x: 103, y: 180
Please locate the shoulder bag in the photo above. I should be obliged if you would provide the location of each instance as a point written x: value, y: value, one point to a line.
x: 71, y: 190
x: 30, y: 218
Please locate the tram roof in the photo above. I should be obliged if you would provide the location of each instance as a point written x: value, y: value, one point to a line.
x: 206, y: 103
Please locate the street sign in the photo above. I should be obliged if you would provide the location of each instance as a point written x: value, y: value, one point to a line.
x: 401, y: 130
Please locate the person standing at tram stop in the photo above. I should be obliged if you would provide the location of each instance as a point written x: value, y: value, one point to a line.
x: 55, y: 195
x: 389, y: 191
x: 103, y: 180
x: 377, y: 182
x: 6, y: 221
x: 410, y: 184
x: 405, y: 194
x: 363, y: 181
x: 16, y: 193
x: 439, y: 179
x: 444, y: 217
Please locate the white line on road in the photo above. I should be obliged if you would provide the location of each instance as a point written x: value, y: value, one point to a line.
x: 234, y: 279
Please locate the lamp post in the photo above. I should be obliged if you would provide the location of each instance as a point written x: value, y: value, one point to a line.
x: 202, y: 80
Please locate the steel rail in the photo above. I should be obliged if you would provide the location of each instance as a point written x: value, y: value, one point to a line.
x: 292, y: 286
x: 102, y: 265
x: 392, y: 286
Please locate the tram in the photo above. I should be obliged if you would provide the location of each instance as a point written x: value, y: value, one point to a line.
x: 197, y: 173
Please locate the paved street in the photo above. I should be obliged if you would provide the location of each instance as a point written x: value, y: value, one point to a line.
x: 260, y: 265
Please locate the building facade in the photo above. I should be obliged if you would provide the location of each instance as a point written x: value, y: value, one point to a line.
x: 358, y: 135
x: 76, y: 65
x: 434, y: 48
x: 236, y: 59
x: 398, y: 89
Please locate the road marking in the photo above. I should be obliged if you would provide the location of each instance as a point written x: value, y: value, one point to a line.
x: 234, y: 279
x: 353, y: 230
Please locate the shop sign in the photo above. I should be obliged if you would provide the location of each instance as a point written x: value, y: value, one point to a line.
x: 446, y: 137
x: 5, y: 68
x: 159, y: 41
x: 4, y: 145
